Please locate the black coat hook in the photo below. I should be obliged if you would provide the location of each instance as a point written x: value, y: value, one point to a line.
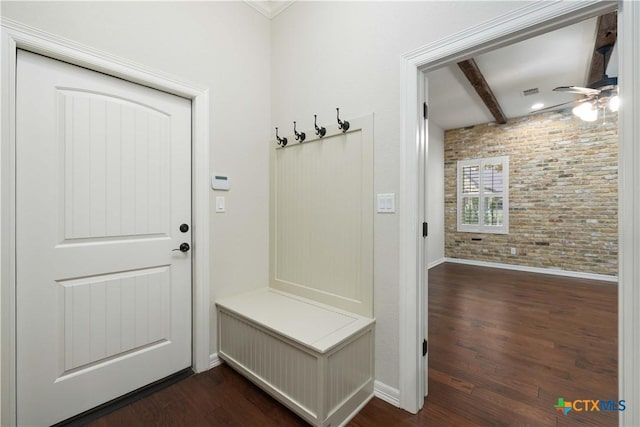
x: 344, y: 125
x: 320, y: 131
x: 281, y: 141
x: 300, y: 136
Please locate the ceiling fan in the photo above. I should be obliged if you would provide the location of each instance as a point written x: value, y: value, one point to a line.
x: 599, y: 94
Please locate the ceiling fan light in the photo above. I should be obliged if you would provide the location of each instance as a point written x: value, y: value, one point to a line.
x: 590, y: 116
x: 614, y: 103
x: 576, y: 111
x: 583, y: 109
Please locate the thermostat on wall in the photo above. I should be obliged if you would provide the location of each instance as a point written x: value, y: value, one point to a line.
x: 219, y: 182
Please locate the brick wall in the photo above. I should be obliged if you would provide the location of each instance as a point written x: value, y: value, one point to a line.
x: 563, y: 192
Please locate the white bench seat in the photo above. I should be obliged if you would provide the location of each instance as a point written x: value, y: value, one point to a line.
x: 314, y: 358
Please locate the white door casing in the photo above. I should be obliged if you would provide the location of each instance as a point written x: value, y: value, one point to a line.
x: 423, y: 275
x: 103, y: 172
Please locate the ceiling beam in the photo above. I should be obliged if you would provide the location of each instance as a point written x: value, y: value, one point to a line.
x: 477, y: 80
x: 606, y: 35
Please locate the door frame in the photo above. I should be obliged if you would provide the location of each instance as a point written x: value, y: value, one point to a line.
x: 19, y: 36
x: 522, y: 23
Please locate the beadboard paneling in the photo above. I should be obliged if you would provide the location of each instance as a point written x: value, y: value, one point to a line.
x: 348, y: 370
x: 118, y: 191
x: 322, y: 218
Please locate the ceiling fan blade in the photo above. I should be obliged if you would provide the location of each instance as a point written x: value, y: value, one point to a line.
x: 577, y: 89
x: 557, y: 105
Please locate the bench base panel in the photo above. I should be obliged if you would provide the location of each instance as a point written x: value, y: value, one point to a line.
x: 325, y: 389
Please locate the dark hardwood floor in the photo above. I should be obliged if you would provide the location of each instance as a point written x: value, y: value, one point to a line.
x: 503, y: 347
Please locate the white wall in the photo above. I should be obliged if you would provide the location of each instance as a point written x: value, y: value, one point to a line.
x: 347, y: 54
x: 435, y: 194
x: 323, y: 55
x: 222, y: 45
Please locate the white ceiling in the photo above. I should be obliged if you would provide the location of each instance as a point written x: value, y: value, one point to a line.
x: 558, y: 58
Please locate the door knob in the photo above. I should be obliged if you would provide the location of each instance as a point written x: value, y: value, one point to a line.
x: 184, y: 247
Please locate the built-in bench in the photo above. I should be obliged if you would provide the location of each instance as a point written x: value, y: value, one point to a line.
x: 315, y: 359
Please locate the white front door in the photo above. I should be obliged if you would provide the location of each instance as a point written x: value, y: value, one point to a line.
x: 103, y: 171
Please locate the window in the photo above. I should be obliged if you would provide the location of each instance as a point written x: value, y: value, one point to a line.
x: 483, y: 195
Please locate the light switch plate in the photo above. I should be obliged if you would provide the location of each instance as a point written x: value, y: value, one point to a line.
x: 386, y: 203
x: 219, y: 204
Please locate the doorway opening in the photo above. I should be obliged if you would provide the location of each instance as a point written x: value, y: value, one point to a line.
x: 524, y: 23
x: 513, y: 185
x: 535, y: 210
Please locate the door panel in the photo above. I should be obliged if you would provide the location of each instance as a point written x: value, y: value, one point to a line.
x: 127, y: 169
x: 103, y: 183
x: 111, y: 314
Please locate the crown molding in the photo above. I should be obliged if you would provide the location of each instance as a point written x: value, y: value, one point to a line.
x: 269, y: 8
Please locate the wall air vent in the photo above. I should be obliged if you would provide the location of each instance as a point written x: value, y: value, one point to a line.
x: 532, y: 91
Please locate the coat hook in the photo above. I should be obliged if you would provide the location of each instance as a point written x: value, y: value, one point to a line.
x: 281, y: 141
x: 344, y: 125
x: 320, y: 131
x: 300, y: 136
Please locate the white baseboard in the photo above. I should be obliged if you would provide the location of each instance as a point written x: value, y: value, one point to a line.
x: 436, y: 262
x: 388, y: 394
x: 553, y: 271
x: 214, y: 360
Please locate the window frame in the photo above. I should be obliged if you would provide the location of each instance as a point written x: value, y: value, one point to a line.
x: 481, y: 227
